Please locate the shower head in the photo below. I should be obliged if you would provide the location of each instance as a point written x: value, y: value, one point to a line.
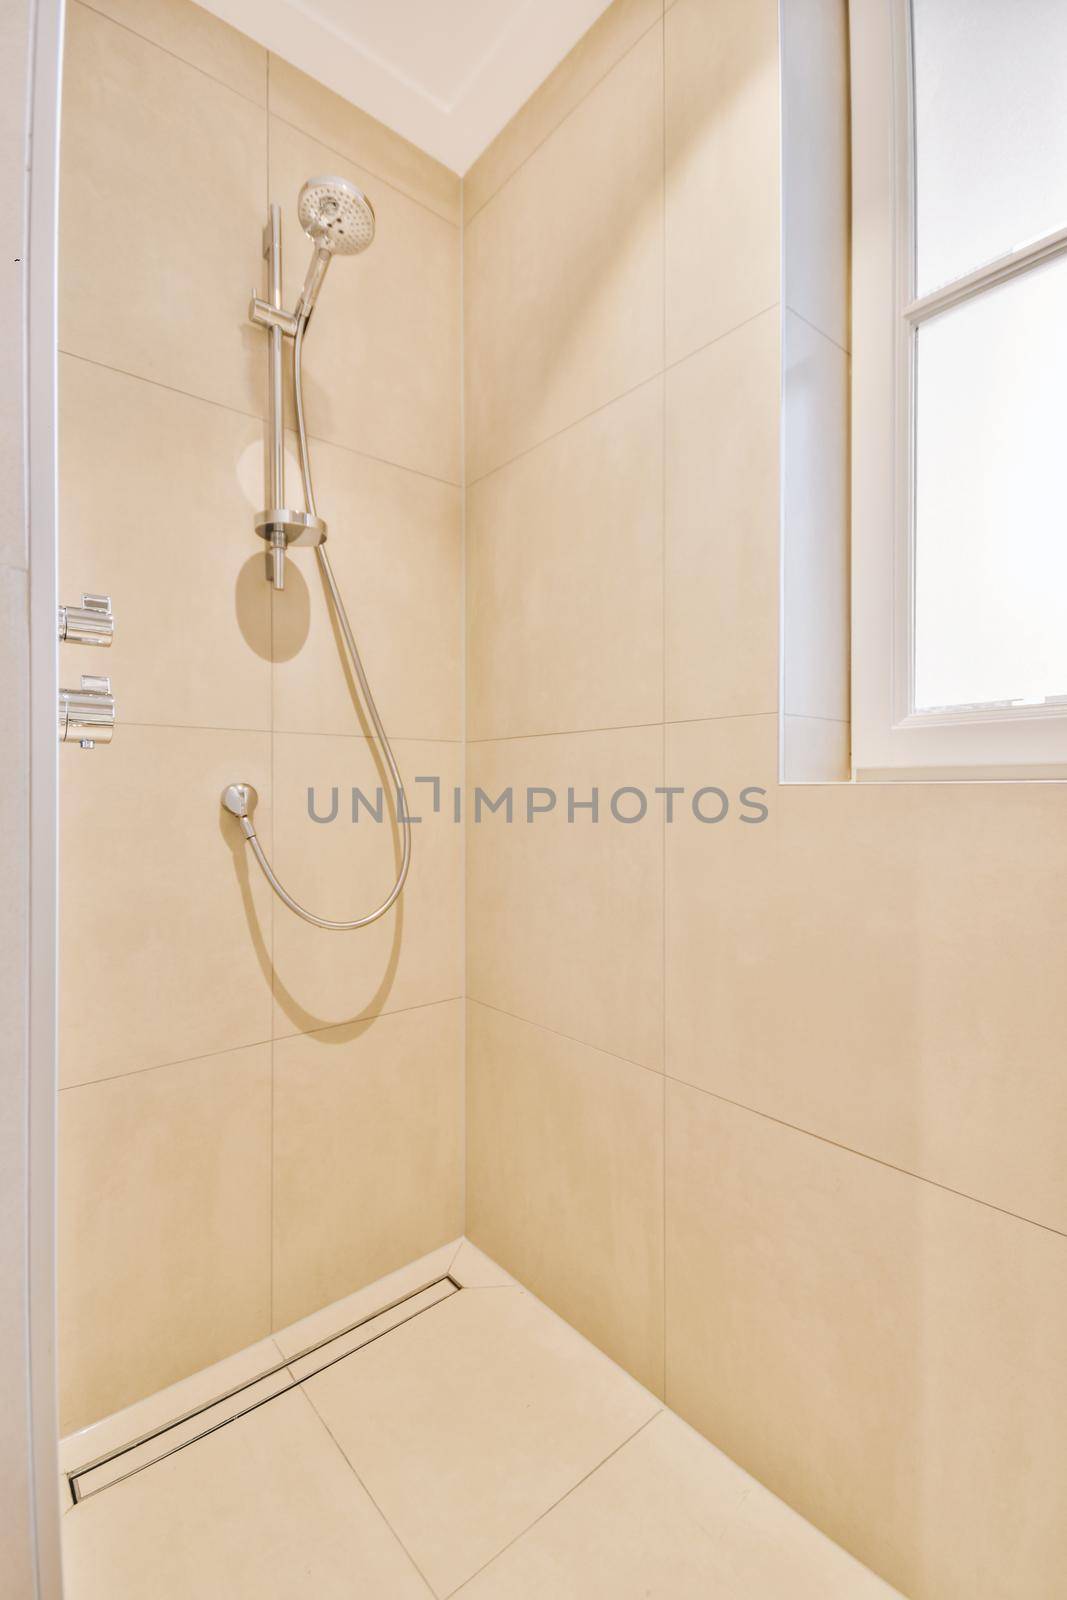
x: 336, y: 215
x: 340, y: 220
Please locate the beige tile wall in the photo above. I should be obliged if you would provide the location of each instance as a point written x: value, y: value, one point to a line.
x: 835, y: 1038
x: 216, y: 1052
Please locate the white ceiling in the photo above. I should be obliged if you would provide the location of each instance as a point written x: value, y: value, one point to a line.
x: 447, y: 74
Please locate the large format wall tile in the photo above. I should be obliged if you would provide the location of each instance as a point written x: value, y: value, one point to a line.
x: 162, y: 216
x: 722, y: 532
x: 563, y: 270
x: 381, y: 365
x: 565, y: 579
x: 721, y: 72
x: 565, y: 1181
x: 156, y: 511
x: 164, y: 1227
x: 199, y: 37
x: 396, y: 547
x: 885, y: 1355
x: 165, y: 922
x: 344, y: 127
x: 343, y: 868
x: 614, y: 32
x: 368, y: 1138
x: 917, y: 1014
x: 566, y: 916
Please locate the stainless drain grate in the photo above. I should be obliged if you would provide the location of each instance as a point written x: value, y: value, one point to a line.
x: 180, y: 1432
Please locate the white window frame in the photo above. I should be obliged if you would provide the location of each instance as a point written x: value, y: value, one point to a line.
x: 889, y: 740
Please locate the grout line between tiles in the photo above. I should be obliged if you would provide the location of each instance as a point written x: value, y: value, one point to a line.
x: 622, y: 727
x: 373, y: 1016
x: 161, y: 1066
x: 157, y: 383
x: 572, y: 1038
x: 260, y: 105
x: 367, y: 738
x: 351, y: 1467
x: 865, y: 1155
x: 278, y: 1038
x: 593, y: 87
x: 562, y: 733
x: 354, y: 161
x: 727, y: 716
x: 810, y: 1133
x: 668, y: 366
x: 576, y: 422
x: 290, y: 733
x: 253, y: 416
x: 456, y: 1256
x: 566, y: 1496
x: 382, y: 461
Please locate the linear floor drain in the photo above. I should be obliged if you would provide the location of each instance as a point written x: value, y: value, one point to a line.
x: 185, y: 1430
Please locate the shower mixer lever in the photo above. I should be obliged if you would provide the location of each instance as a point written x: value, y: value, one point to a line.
x: 90, y: 623
x: 87, y: 715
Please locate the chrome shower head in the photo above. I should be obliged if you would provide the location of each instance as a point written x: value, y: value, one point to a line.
x: 340, y: 219
x: 336, y: 215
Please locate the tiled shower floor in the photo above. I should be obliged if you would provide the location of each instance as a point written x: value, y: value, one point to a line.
x: 483, y: 1447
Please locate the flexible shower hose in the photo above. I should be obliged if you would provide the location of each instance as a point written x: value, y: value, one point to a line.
x: 334, y: 593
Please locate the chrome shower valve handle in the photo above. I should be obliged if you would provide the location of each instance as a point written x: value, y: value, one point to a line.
x: 90, y: 623
x: 87, y: 715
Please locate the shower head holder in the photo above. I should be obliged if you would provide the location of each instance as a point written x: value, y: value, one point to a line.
x: 239, y: 799
x: 295, y: 527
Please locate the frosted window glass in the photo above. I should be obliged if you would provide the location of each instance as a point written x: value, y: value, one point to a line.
x: 991, y: 496
x: 990, y: 130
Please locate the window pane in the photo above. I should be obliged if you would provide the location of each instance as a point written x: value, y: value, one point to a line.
x: 991, y: 130
x: 991, y: 496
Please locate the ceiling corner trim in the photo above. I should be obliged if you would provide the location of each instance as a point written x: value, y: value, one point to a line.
x: 447, y: 76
